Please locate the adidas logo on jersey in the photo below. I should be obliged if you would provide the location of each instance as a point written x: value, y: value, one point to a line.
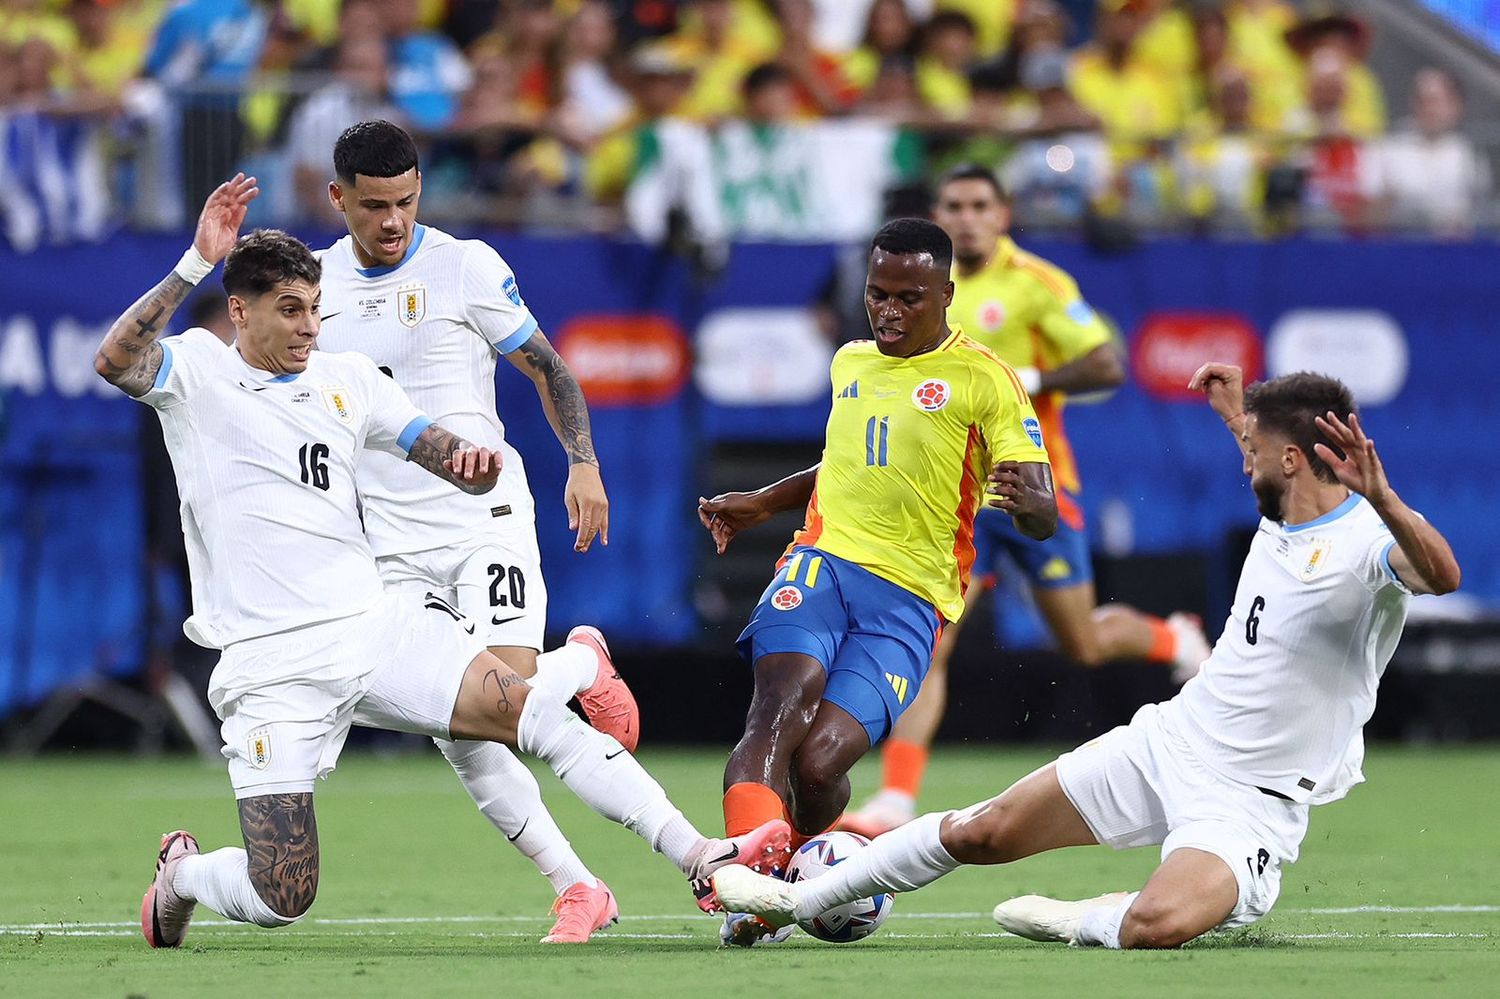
x: 900, y: 684
x: 851, y: 391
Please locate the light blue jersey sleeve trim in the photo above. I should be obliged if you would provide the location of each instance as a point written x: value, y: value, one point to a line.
x: 520, y: 336
x: 1385, y: 562
x: 164, y: 370
x: 412, y: 432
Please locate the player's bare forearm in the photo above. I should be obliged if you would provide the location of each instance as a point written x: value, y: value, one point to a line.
x: 1423, y: 559
x: 454, y: 460
x: 130, y: 356
x: 281, y: 844
x: 1024, y: 490
x: 562, y: 398
x: 1099, y: 369
x: 791, y: 493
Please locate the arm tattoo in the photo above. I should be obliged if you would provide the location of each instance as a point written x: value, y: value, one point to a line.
x: 129, y: 357
x: 499, y: 687
x: 281, y: 840
x: 563, y: 401
x: 435, y: 445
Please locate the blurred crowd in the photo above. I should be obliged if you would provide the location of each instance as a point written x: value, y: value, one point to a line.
x: 705, y: 120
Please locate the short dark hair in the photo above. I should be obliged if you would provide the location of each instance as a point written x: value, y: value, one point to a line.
x: 944, y: 19
x: 267, y: 258
x: 913, y: 235
x: 1288, y: 406
x: 971, y: 171
x: 763, y: 76
x: 374, y: 148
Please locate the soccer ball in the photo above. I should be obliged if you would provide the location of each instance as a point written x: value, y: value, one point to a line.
x: 852, y: 920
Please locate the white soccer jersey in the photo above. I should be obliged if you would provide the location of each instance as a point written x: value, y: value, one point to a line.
x: 265, y: 469
x: 1282, y: 701
x: 435, y: 322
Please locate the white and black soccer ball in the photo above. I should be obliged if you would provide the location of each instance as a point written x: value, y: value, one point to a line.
x: 852, y: 920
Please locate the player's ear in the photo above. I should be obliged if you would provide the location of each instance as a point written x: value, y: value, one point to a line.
x: 237, y: 308
x: 1291, y: 456
x: 947, y: 294
x: 335, y: 195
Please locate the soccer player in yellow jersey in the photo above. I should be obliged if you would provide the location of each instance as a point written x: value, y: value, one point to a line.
x: 842, y: 638
x: 1029, y: 313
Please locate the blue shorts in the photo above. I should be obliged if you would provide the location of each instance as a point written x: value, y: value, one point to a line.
x: 874, y: 638
x: 1061, y: 560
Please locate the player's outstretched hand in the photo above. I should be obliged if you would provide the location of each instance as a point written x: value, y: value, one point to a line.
x: 727, y: 514
x: 223, y: 214
x: 1360, y: 468
x: 1224, y: 387
x: 588, y: 507
x: 477, y: 468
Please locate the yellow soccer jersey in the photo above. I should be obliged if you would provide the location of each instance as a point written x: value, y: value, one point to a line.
x: 909, y: 447
x: 1029, y: 313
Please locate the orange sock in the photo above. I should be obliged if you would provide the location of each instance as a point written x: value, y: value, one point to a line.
x: 799, y: 840
x: 748, y: 805
x: 1163, y: 642
x: 903, y: 764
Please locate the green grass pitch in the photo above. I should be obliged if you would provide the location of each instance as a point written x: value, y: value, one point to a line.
x: 1397, y: 893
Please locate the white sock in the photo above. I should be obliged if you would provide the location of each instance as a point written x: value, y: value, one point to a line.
x: 903, y: 859
x: 508, y: 795
x: 221, y: 881
x: 566, y: 672
x: 607, y: 778
x: 1101, y: 927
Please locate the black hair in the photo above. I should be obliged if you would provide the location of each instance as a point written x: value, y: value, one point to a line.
x: 375, y: 149
x: 1287, y: 406
x: 949, y: 19
x: 971, y: 171
x: 914, y: 235
x: 763, y: 76
x: 267, y: 258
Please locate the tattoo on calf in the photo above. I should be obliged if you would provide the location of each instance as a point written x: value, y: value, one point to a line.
x: 500, y: 687
x: 567, y: 399
x: 281, y: 839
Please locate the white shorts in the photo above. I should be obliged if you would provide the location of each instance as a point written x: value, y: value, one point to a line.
x: 287, y: 701
x: 494, y: 578
x: 1140, y: 785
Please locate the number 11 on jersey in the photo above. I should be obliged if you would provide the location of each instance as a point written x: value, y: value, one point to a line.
x: 877, y: 437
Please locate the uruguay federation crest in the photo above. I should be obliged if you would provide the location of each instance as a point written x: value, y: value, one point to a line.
x: 258, y: 747
x: 1317, y: 558
x: 336, y: 398
x: 411, y: 305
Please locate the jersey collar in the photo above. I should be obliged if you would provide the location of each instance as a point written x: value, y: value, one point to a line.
x: 1327, y: 518
x: 1005, y: 249
x: 417, y: 232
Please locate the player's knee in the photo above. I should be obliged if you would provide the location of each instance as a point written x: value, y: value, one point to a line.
x: 286, y: 900
x: 988, y: 834
x: 1152, y: 924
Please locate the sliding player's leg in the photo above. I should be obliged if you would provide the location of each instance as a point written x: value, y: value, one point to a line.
x: 757, y: 777
x: 1031, y: 816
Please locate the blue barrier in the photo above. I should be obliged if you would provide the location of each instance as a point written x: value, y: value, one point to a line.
x: 71, y: 542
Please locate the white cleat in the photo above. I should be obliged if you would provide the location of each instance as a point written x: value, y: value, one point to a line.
x: 1192, y: 646
x: 1050, y: 920
x: 741, y: 929
x: 741, y: 890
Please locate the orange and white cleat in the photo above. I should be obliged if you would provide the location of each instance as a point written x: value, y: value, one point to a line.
x: 164, y: 913
x: 581, y: 912
x: 766, y: 849
x: 608, y: 702
x: 884, y: 811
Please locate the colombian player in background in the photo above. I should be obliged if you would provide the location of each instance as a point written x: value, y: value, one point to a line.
x: 841, y: 640
x: 434, y: 313
x: 1223, y: 775
x: 264, y: 435
x: 1029, y: 313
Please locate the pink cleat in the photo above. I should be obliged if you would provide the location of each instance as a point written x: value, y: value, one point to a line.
x: 164, y: 913
x: 608, y: 703
x: 581, y: 912
x: 766, y: 849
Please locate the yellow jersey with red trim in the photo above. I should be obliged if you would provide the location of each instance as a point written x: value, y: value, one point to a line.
x: 906, y: 460
x: 1029, y: 313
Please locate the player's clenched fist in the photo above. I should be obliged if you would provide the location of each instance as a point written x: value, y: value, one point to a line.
x: 475, y: 466
x: 1224, y: 387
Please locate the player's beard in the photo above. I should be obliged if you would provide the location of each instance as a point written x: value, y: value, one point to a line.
x: 1267, y: 500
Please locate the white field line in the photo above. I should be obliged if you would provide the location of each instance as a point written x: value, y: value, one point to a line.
x: 56, y: 927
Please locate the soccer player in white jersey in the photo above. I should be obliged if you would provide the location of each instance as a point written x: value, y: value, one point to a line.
x: 1222, y: 776
x: 434, y: 313
x: 264, y: 436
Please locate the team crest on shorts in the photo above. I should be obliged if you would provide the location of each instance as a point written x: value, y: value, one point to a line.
x: 931, y: 396
x: 787, y: 598
x: 258, y: 747
x: 411, y: 305
x: 337, y: 400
